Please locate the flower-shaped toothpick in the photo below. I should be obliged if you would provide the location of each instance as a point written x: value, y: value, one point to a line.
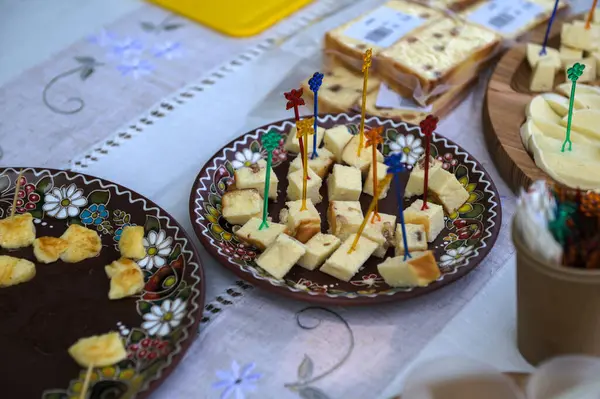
x: 269, y: 141
x: 374, y: 138
x: 428, y: 126
x: 295, y: 100
x: 315, y: 83
x: 304, y: 128
x: 365, y: 69
x: 573, y: 73
x: 396, y: 167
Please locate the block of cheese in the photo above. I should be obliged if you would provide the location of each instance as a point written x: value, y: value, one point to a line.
x: 301, y: 225
x: 261, y: 239
x: 377, y: 30
x: 17, y: 231
x: 239, y: 206
x: 448, y: 191
x: 418, y: 271
x: 99, y: 350
x: 596, y: 56
x: 126, y: 278
x: 568, y: 55
x: 336, y: 139
x: 131, y: 243
x: 589, y: 73
x: 416, y: 179
x: 292, y: 144
x: 313, y: 185
x: 49, y: 249
x: 575, y: 35
x: 82, y: 244
x: 381, y: 231
x: 344, y: 218
x: 279, y: 258
x: 381, y: 173
x: 343, y: 265
x: 542, y: 78
x: 431, y: 218
x: 344, y: 183
x: 552, y: 56
x: 416, y: 238
x: 321, y: 164
x: 565, y: 89
x: 318, y: 249
x: 585, y: 121
x: 362, y: 162
x: 254, y: 176
x: 15, y: 271
x: 446, y: 51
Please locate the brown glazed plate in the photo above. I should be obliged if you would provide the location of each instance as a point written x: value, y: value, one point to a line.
x: 466, y: 239
x: 41, y: 318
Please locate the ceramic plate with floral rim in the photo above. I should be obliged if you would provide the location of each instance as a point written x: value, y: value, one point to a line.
x: 466, y: 239
x: 64, y: 302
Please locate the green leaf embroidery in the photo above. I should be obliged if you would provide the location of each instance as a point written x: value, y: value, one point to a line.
x: 143, y: 307
x: 454, y: 245
x: 4, y: 183
x: 174, y: 254
x: 75, y: 221
x: 255, y: 147
x: 461, y: 171
x: 136, y: 335
x: 214, y: 200
x: 148, y: 26
x: 86, y: 73
x: 477, y: 210
x: 85, y: 60
x: 152, y: 224
x: 172, y: 26
x: 472, y: 242
x: 312, y: 393
x: 391, y: 134
x: 229, y: 168
x: 305, y: 370
x: 185, y: 293
x: 99, y: 197
x: 45, y: 184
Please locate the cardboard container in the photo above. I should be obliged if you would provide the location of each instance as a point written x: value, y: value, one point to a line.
x: 558, y: 308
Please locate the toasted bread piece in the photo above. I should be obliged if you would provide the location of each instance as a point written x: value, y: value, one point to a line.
x: 17, y: 231
x: 98, y: 350
x: 126, y: 278
x: 131, y: 243
x: 14, y: 271
x: 83, y: 243
x: 49, y: 249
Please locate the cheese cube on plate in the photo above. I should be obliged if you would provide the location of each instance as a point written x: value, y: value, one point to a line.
x: 336, y: 139
x: 49, y: 249
x: 281, y: 256
x: 343, y: 265
x: 292, y: 144
x: 416, y: 179
x: 589, y: 73
x: 534, y: 57
x: 313, y: 185
x: 568, y: 55
x: 576, y: 36
x: 17, y: 231
x: 83, y: 243
x: 14, y: 271
x: 320, y: 164
x: 381, y: 231
x: 381, y: 173
x: 344, y: 183
x: 416, y: 238
x: 418, y: 271
x: 318, y: 248
x: 254, y: 176
x: 431, y: 218
x: 261, y: 239
x: 448, y: 191
x: 302, y: 225
x: 362, y: 162
x: 344, y: 218
x: 543, y: 76
x: 239, y: 206
x: 131, y: 243
x: 126, y: 278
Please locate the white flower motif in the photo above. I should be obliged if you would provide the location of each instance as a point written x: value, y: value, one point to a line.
x: 454, y: 256
x: 236, y: 381
x: 409, y: 147
x: 158, y: 247
x: 162, y: 319
x: 64, y: 202
x: 168, y: 50
x: 245, y: 158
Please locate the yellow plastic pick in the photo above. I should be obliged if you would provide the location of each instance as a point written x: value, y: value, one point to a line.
x: 373, y: 139
x: 365, y: 69
x: 305, y: 128
x: 386, y: 180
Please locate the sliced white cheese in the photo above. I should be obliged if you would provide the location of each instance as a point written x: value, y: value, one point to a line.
x: 581, y: 88
x: 558, y: 103
x: 586, y: 121
x: 538, y: 108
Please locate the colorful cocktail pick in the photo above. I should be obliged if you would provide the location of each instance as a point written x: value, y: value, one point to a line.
x: 365, y: 69
x: 373, y: 140
x: 295, y: 100
x: 428, y: 126
x: 305, y: 128
x: 590, y: 16
x: 550, y: 21
x: 270, y: 141
x: 16, y: 197
x: 573, y: 74
x: 395, y: 167
x: 315, y: 83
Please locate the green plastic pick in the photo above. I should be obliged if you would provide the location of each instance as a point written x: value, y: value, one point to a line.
x: 269, y: 141
x: 573, y: 74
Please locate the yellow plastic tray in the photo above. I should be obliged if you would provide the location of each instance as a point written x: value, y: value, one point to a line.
x: 240, y: 18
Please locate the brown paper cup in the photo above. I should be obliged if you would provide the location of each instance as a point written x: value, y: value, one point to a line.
x: 558, y: 308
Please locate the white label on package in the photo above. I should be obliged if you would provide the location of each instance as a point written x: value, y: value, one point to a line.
x: 387, y: 98
x: 506, y: 17
x: 383, y: 26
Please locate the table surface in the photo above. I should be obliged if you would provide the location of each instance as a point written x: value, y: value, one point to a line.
x: 480, y: 326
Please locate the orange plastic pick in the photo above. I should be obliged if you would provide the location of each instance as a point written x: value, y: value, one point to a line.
x: 373, y: 139
x: 305, y: 128
x: 590, y: 16
x: 365, y: 69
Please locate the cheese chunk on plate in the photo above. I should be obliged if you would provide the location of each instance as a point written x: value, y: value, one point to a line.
x: 83, y: 243
x: 15, y: 271
x: 49, y: 249
x: 318, y: 249
x: 279, y: 258
x: 343, y: 265
x: 17, y: 231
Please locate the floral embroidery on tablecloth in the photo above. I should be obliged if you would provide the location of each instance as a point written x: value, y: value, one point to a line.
x: 234, y: 383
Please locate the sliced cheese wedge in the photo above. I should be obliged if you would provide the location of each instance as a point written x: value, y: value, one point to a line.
x: 558, y: 132
x: 539, y: 109
x: 558, y: 103
x: 565, y: 89
x: 586, y: 121
x: 587, y: 100
x: 533, y: 55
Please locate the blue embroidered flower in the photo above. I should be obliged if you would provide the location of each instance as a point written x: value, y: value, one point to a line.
x: 103, y: 39
x: 236, y: 381
x: 127, y: 48
x: 119, y: 231
x: 95, y: 214
x: 168, y: 50
x: 135, y: 68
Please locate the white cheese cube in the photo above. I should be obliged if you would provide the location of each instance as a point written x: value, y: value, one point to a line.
x: 589, y: 73
x: 381, y: 173
x: 431, y: 218
x: 343, y: 265
x: 344, y: 218
x: 416, y: 238
x: 320, y: 164
x: 319, y: 248
x: 239, y: 206
x: 15, y: 271
x: 568, y: 55
x: 576, y: 36
x: 448, y: 191
x: 336, y: 139
x: 281, y: 256
x: 416, y: 179
x: 362, y: 162
x: 313, y: 185
x: 543, y: 76
x: 533, y: 55
x: 418, y: 271
x: 344, y: 183
x: 304, y: 224
x: 261, y: 239
x: 381, y: 231
x: 292, y: 144
x: 254, y: 176
x: 17, y: 231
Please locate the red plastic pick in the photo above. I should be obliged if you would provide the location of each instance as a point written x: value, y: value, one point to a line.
x: 427, y: 125
x: 295, y: 100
